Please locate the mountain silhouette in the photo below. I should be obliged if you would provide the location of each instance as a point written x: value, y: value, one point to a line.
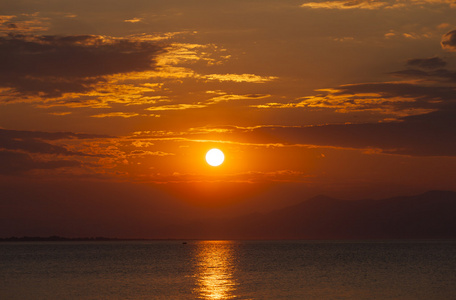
x: 426, y: 216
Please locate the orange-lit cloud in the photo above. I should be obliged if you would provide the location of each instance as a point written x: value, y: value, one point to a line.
x: 373, y: 4
x: 134, y: 20
x: 143, y: 153
x: 63, y: 113
x: 231, y: 97
x: 175, y: 107
x: 100, y: 71
x: 389, y: 98
x: 347, y: 4
x: 23, y: 23
x: 122, y: 115
x: 240, y: 78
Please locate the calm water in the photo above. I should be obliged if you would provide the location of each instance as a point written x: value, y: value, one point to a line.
x: 228, y: 270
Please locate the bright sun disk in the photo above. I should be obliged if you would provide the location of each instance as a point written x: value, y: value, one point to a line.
x: 215, y: 157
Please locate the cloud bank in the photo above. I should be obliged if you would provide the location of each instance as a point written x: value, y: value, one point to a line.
x: 49, y: 65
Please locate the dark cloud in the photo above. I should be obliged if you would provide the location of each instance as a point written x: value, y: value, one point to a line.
x: 38, y: 142
x: 434, y: 75
x: 397, y: 96
x: 22, y: 151
x: 49, y: 135
x: 14, y: 163
x: 430, y: 69
x: 427, y: 63
x: 400, y: 89
x: 449, y: 41
x: 432, y: 134
x: 52, y: 65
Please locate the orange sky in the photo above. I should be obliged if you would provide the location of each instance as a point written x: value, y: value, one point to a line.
x: 116, y: 103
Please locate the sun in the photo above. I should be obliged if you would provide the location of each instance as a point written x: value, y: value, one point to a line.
x: 215, y: 157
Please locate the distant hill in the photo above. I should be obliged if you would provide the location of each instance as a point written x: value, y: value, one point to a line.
x: 429, y: 215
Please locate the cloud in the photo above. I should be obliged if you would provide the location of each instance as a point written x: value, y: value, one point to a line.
x: 116, y: 114
x: 149, y: 153
x: 222, y: 97
x: 134, y: 20
x: 419, y: 112
x: 252, y: 78
x: 438, y: 75
x: 373, y: 4
x: 123, y: 115
x: 427, y: 63
x: 428, y: 69
x: 429, y: 87
x: 346, y: 4
x: 449, y: 41
x: 49, y: 65
x: 431, y: 134
x: 62, y: 113
x: 112, y: 89
x: 40, y: 142
x: 14, y: 163
x: 175, y: 107
x: 451, y: 3
x: 99, y: 71
x: 67, y: 153
x: 23, y: 23
x: 393, y: 98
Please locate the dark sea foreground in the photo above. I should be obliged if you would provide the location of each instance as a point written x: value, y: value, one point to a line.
x: 228, y: 270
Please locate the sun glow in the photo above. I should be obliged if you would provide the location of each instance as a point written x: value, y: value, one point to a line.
x: 215, y: 157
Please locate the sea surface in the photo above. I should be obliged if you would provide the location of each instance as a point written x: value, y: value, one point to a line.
x: 228, y: 270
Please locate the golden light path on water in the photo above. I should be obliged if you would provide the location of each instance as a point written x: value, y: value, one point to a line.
x: 215, y: 270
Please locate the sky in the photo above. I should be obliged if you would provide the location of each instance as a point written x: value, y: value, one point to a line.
x: 107, y: 108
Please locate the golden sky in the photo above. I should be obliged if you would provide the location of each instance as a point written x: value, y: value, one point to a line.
x: 353, y: 99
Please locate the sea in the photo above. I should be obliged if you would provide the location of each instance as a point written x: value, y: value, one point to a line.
x: 196, y: 269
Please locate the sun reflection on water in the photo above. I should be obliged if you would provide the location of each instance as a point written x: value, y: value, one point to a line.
x: 215, y: 267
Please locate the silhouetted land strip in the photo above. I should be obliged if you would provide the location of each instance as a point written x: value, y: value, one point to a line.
x: 56, y: 239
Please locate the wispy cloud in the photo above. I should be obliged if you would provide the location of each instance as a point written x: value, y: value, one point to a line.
x: 124, y: 115
x: 115, y: 114
x: 134, y: 20
x: 233, y: 97
x: 346, y: 4
x: 143, y: 153
x: 175, y: 107
x: 373, y: 4
x: 23, y: 23
x: 240, y: 78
